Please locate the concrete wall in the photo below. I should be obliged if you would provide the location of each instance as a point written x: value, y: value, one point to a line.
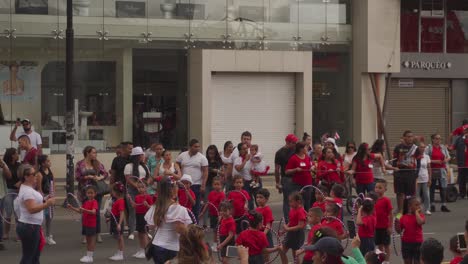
x: 203, y: 62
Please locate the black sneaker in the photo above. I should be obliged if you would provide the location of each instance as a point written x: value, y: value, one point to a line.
x: 433, y: 208
x: 444, y: 208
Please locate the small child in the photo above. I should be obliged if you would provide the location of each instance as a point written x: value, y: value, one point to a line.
x: 259, y: 167
x: 320, y: 199
x: 46, y: 186
x: 89, y: 210
x: 297, y: 221
x: 256, y: 240
x: 314, y: 216
x: 239, y: 198
x: 117, y: 219
x: 383, y: 213
x: 336, y: 196
x: 366, y: 222
x: 262, y: 199
x: 455, y: 248
x: 332, y: 210
x: 227, y: 229
x: 215, y: 197
x: 142, y: 203
x: 410, y: 224
x: 185, y: 194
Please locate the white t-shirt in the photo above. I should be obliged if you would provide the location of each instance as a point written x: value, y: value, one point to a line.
x: 28, y: 193
x: 35, y: 138
x: 226, y: 160
x: 166, y: 235
x: 245, y: 172
x: 128, y: 170
x: 192, y: 165
x: 423, y: 172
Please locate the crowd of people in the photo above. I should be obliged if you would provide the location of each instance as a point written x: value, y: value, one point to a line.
x: 165, y: 202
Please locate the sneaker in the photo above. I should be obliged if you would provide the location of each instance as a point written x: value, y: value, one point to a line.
x: 117, y: 257
x: 83, y: 240
x: 433, y: 208
x: 99, y: 238
x: 131, y: 236
x: 86, y: 259
x: 444, y: 208
x: 50, y: 241
x: 214, y: 248
x: 308, y: 227
x: 428, y: 212
x: 140, y: 254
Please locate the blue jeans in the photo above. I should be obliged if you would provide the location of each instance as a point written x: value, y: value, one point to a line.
x: 30, y: 239
x: 286, y: 182
x: 196, y: 208
x: 425, y: 194
x: 161, y: 255
x: 365, y: 188
x: 131, y: 215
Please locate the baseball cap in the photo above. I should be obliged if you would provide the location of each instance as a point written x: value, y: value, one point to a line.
x: 329, y: 245
x: 186, y: 177
x: 291, y: 138
x: 137, y: 151
x: 25, y: 120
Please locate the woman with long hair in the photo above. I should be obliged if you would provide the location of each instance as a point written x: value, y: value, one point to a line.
x: 226, y: 157
x: 362, y: 166
x: 88, y: 172
x: 169, y: 219
x: 45, y: 186
x: 329, y: 169
x: 299, y: 168
x: 10, y: 172
x: 167, y: 167
x: 440, y: 156
x: 308, y: 140
x: 193, y: 248
x: 349, y: 154
x: 215, y: 166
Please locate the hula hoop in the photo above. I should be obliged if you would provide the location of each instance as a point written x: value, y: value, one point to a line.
x: 192, y: 215
x: 344, y: 227
x: 127, y: 187
x: 394, y: 234
x: 73, y: 201
x: 51, y: 194
x: 15, y: 195
x: 278, y: 239
x: 245, y: 201
x: 360, y: 198
x: 314, y: 187
x: 218, y: 236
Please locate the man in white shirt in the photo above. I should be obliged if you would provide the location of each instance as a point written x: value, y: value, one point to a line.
x: 35, y: 138
x: 195, y: 164
x: 246, y: 138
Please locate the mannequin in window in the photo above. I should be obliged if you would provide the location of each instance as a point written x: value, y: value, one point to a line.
x: 14, y: 85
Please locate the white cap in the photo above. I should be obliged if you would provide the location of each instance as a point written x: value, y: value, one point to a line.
x: 186, y: 177
x: 331, y: 140
x: 137, y: 151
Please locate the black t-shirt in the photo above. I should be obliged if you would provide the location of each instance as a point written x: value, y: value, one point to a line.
x: 118, y: 165
x: 213, y: 165
x: 46, y: 181
x: 405, y: 156
x: 282, y: 157
x: 14, y: 176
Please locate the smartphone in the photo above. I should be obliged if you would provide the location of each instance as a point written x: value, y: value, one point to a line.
x: 231, y: 252
x: 461, y: 241
x: 351, y: 228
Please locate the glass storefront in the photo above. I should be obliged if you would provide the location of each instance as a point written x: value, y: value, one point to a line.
x: 130, y: 68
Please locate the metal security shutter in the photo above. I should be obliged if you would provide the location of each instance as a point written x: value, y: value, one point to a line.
x: 262, y: 103
x: 423, y: 109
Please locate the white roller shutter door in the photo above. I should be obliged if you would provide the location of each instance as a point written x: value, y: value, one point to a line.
x: 262, y: 103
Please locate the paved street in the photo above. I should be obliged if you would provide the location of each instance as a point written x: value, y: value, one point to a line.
x: 69, y: 248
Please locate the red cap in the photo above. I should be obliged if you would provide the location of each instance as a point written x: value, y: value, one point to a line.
x: 291, y: 138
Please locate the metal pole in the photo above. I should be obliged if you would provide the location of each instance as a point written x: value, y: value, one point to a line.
x: 70, y: 99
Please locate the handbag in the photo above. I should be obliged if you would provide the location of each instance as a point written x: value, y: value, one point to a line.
x: 102, y: 187
x: 149, y: 247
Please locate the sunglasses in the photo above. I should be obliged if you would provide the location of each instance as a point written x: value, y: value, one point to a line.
x: 351, y: 147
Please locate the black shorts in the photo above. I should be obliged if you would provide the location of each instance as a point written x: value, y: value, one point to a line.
x: 213, y: 221
x: 405, y: 182
x: 256, y: 259
x: 224, y: 249
x: 411, y: 250
x: 113, y: 227
x: 240, y: 226
x: 140, y: 223
x: 294, y: 239
x: 382, y: 237
x: 88, y: 231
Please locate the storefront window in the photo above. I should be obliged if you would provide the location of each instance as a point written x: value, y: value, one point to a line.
x: 432, y: 26
x: 331, y: 96
x: 409, y: 25
x: 457, y: 26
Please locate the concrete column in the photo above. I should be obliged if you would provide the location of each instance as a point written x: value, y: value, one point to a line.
x: 127, y: 95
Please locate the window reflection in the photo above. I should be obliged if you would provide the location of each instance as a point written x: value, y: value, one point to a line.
x: 457, y: 26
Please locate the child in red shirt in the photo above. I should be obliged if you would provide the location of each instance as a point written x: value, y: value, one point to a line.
x: 116, y: 219
x: 239, y: 198
x: 314, y: 216
x: 383, y: 213
x: 185, y: 194
x: 227, y: 229
x: 320, y: 198
x: 142, y: 203
x: 332, y: 211
x: 215, y: 197
x: 297, y: 221
x: 90, y: 209
x: 256, y: 240
x: 262, y: 199
x: 455, y: 248
x: 336, y: 196
x: 410, y: 224
x: 366, y: 222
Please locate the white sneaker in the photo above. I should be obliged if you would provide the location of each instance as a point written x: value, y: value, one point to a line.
x: 83, y: 241
x: 99, y: 238
x: 428, y: 212
x: 140, y: 254
x: 214, y: 248
x: 131, y: 236
x: 86, y: 259
x: 50, y: 241
x: 117, y: 257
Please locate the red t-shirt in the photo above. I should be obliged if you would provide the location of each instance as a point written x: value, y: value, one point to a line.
x: 459, y: 130
x: 184, y: 200
x: 339, y: 202
x: 412, y: 232
x: 267, y: 216
x: 215, y: 198
x: 140, y: 200
x: 238, y: 202
x: 364, y: 174
x: 335, y: 225
x: 309, y: 254
x: 303, y: 177
x: 297, y: 215
x: 383, y: 209
x: 321, y: 205
x: 323, y: 172
x: 30, y: 157
x: 226, y: 226
x: 456, y: 260
x: 255, y: 240
x: 89, y: 220
x: 367, y: 229
x: 466, y: 152
x: 437, y: 155
x: 117, y: 207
